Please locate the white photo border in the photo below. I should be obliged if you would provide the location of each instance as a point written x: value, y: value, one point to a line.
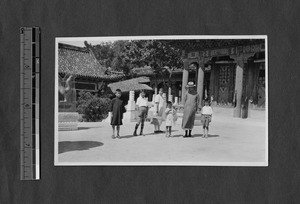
x: 161, y: 37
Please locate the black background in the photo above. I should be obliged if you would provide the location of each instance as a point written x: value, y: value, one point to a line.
x: 278, y: 183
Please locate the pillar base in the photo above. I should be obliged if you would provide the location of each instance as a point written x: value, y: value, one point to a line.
x: 236, y: 112
x: 130, y: 106
x: 130, y: 116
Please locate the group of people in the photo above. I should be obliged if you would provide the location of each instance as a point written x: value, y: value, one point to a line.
x: 163, y: 110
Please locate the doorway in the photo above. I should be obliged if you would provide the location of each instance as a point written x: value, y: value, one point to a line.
x: 225, y: 83
x: 206, y: 85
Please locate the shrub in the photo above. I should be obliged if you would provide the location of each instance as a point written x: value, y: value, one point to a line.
x: 81, y: 103
x: 93, y: 108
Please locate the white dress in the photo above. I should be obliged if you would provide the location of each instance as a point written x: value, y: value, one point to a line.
x: 158, y: 117
x: 161, y: 104
x: 170, y: 117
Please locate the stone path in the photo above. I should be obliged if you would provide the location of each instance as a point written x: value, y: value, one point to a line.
x: 230, y: 140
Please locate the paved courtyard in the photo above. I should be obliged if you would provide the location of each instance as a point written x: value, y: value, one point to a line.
x: 230, y: 140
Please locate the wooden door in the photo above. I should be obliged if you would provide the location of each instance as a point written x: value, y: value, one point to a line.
x: 261, y: 95
x: 225, y: 83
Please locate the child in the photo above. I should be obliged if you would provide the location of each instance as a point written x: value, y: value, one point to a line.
x: 170, y: 118
x: 117, y: 109
x: 142, y: 104
x: 206, y: 117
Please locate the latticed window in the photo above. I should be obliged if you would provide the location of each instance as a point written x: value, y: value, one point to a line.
x: 224, y: 76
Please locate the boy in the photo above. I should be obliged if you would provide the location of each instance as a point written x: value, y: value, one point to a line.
x: 206, y: 117
x: 142, y: 104
x: 117, y: 109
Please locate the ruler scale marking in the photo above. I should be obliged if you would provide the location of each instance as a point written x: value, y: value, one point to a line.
x: 29, y: 102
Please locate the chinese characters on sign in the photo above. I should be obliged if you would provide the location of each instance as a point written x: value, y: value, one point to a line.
x: 229, y: 51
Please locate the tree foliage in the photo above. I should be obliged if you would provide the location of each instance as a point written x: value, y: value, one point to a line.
x: 123, y: 55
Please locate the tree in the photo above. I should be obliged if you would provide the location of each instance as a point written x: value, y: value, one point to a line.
x: 103, y: 52
x: 163, y: 56
x: 119, y: 62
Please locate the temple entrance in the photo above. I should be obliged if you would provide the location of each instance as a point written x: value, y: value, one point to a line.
x: 192, y: 76
x: 206, y: 85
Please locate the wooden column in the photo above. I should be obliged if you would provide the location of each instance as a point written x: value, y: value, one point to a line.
x: 185, y: 78
x: 238, y: 87
x: 212, y: 82
x: 217, y: 75
x: 250, y: 79
x: 255, y: 82
x: 200, y: 80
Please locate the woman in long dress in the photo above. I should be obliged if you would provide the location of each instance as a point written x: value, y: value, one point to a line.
x: 191, y: 101
x: 158, y: 111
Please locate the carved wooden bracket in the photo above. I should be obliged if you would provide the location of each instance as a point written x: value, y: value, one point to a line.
x: 241, y: 59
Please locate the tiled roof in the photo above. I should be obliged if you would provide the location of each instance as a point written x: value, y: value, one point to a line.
x: 148, y: 71
x: 135, y: 84
x: 81, y: 62
x: 143, y: 71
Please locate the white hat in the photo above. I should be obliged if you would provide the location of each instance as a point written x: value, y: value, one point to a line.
x: 190, y: 84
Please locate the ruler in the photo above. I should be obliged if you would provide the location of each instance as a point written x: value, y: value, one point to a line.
x: 30, y: 103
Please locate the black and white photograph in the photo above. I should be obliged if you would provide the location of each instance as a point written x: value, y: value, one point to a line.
x: 161, y: 100
x: 147, y: 102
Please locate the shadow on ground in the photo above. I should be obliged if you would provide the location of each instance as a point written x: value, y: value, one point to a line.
x: 83, y: 128
x: 130, y: 136
x: 148, y: 134
x: 196, y: 135
x: 86, y: 128
x: 68, y: 146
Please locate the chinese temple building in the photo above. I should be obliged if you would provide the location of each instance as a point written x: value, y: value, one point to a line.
x: 81, y: 63
x: 231, y: 73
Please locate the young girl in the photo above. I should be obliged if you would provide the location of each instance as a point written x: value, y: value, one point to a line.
x: 170, y: 118
x: 117, y: 109
x: 206, y: 117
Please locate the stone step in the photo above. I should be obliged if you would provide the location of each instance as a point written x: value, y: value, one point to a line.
x: 67, y: 126
x: 68, y: 117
